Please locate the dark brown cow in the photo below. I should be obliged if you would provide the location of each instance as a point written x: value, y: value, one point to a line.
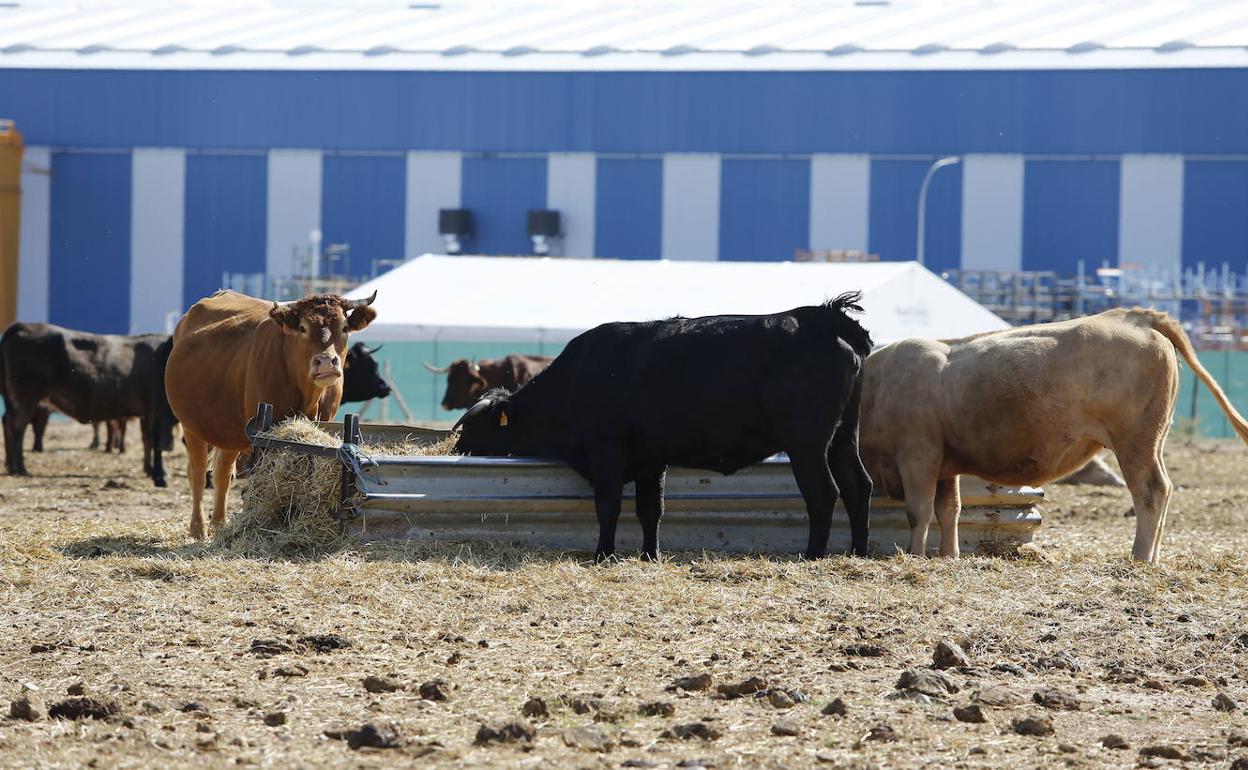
x: 466, y: 380
x: 89, y: 377
x: 231, y: 352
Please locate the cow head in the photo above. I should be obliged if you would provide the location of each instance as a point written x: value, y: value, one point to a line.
x: 486, y: 427
x: 362, y: 379
x: 316, y: 330
x: 464, y: 384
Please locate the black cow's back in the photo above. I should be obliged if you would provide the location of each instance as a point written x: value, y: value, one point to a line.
x: 87, y: 376
x: 717, y: 392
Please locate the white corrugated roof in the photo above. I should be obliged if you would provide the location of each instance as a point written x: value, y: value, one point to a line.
x: 639, y: 35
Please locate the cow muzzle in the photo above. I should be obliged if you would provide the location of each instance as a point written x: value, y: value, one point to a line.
x: 325, y: 367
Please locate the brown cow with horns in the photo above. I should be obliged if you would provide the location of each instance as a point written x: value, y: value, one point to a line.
x: 231, y: 352
x: 466, y: 380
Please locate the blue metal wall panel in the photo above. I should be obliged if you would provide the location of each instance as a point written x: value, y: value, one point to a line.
x: 1070, y: 212
x: 89, y: 257
x: 629, y: 216
x: 362, y: 204
x: 1071, y: 111
x: 500, y: 192
x: 764, y: 210
x: 225, y: 220
x: 1215, y: 213
x: 893, y: 229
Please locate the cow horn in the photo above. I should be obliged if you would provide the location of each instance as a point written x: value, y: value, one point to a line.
x: 435, y: 369
x: 476, y: 409
x: 372, y: 351
x: 352, y: 304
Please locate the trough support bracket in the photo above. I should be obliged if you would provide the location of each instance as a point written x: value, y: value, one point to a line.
x: 264, y: 423
x: 351, y: 435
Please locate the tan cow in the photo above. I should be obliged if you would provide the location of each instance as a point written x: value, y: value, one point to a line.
x: 1027, y: 406
x: 231, y: 352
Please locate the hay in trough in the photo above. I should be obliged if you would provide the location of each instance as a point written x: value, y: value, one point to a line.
x: 290, y: 499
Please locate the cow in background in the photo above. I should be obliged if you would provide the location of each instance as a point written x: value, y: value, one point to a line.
x: 89, y: 377
x: 1027, y: 406
x: 232, y: 352
x: 466, y: 380
x: 362, y: 380
x: 623, y: 401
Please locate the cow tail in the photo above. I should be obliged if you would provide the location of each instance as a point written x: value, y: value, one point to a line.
x: 845, y: 326
x: 1171, y: 330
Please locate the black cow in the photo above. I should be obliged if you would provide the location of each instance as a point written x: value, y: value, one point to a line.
x: 361, y: 379
x: 626, y: 400
x: 90, y: 377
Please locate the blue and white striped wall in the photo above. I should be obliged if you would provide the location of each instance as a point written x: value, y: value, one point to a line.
x: 118, y: 240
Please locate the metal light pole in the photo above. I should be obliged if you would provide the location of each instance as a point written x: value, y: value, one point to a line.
x: 927, y: 181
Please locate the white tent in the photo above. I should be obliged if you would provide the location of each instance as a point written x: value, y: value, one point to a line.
x: 521, y: 299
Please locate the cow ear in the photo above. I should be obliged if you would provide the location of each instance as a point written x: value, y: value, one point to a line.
x: 361, y: 317
x: 286, y: 318
x: 503, y: 419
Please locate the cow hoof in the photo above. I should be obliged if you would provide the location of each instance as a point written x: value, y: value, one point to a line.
x: 602, y: 557
x: 160, y: 482
x: 654, y: 556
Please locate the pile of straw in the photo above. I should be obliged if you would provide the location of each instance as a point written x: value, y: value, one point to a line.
x: 290, y: 498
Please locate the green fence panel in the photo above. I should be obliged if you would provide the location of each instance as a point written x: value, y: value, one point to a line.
x: 423, y: 389
x: 1230, y: 369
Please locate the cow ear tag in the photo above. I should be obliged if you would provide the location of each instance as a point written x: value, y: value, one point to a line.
x: 502, y: 419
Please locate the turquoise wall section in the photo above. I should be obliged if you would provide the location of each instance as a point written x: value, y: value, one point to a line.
x: 1230, y: 369
x: 423, y: 390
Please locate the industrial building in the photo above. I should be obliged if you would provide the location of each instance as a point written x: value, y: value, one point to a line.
x: 170, y: 144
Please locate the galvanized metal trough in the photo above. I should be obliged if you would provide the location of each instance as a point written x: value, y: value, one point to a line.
x: 543, y: 502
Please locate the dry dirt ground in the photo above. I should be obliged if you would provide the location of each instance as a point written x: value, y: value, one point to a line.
x: 211, y: 659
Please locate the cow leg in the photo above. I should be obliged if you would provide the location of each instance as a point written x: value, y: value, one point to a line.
x: 144, y: 431
x: 15, y: 421
x: 814, y: 479
x: 854, y: 482
x: 152, y: 459
x: 95, y: 436
x: 223, y: 470
x: 5, y: 422
x: 120, y: 435
x: 39, y: 424
x: 650, y: 510
x: 607, y: 472
x: 12, y: 444
x: 919, y: 483
x: 196, y: 468
x: 1150, y: 488
x: 948, y: 509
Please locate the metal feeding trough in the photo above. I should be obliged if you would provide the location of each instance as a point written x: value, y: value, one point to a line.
x: 545, y: 503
